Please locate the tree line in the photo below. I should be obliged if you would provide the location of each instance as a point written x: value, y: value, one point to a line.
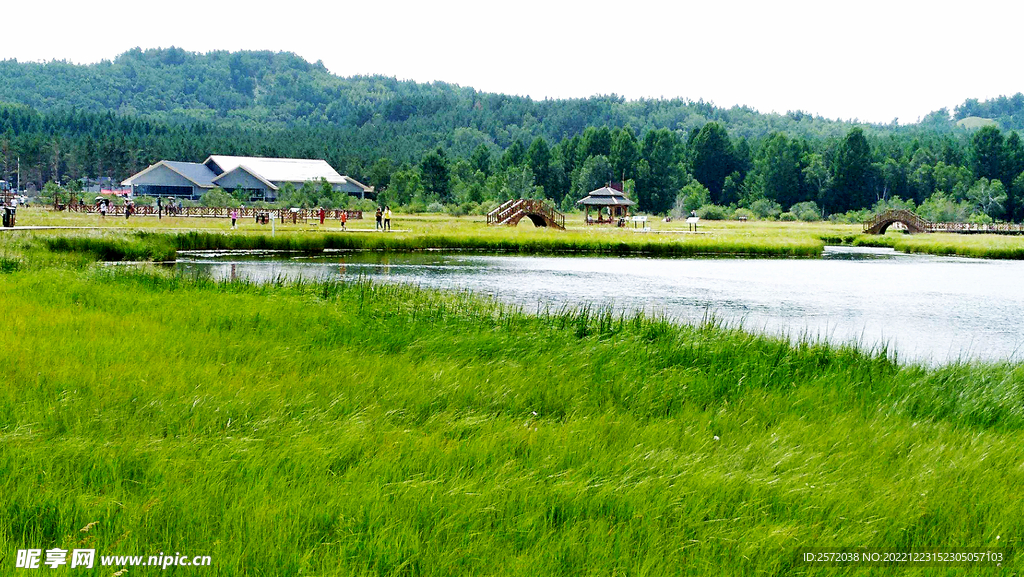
x: 956, y: 177
x: 971, y: 174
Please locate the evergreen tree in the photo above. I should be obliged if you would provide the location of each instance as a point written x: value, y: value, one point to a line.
x: 625, y: 152
x: 434, y: 168
x: 597, y: 141
x: 986, y: 153
x: 712, y: 158
x: 851, y: 170
x: 481, y: 159
x: 515, y: 155
x: 777, y: 171
x: 538, y: 158
x: 658, y: 171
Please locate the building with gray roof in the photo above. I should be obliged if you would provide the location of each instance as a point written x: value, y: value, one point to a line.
x: 261, y: 178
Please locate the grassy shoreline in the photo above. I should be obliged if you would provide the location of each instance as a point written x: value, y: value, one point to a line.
x: 354, y: 429
x: 438, y: 232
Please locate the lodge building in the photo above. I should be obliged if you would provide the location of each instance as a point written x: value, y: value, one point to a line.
x: 262, y: 178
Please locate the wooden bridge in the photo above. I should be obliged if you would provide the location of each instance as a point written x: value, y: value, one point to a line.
x: 512, y: 211
x: 914, y: 223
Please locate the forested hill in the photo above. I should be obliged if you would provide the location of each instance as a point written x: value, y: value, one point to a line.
x: 1008, y: 112
x: 265, y: 89
x: 438, y: 144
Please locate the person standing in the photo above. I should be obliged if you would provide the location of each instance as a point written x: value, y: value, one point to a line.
x: 378, y: 215
x: 387, y: 218
x: 159, y: 207
x: 103, y: 208
x: 322, y: 214
x: 234, y: 217
x: 344, y: 219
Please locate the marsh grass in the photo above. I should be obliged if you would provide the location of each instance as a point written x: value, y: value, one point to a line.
x: 354, y: 429
x: 161, y: 246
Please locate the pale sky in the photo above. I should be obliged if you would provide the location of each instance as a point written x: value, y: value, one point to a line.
x: 874, y: 60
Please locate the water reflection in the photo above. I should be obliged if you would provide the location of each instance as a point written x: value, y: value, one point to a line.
x: 926, y: 308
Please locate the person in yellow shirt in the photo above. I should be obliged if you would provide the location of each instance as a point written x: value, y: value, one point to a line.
x: 387, y: 218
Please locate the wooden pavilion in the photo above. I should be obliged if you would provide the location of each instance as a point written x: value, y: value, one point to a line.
x: 606, y: 198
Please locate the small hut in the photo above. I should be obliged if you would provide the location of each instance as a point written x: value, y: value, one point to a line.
x: 607, y: 197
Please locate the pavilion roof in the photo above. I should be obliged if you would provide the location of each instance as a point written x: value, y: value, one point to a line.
x: 605, y: 196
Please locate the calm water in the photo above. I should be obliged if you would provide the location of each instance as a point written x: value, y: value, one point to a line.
x: 931, y: 309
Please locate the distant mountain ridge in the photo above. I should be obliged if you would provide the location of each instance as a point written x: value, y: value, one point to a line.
x: 283, y: 90
x: 280, y: 89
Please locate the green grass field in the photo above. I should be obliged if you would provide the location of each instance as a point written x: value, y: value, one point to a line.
x: 359, y: 429
x: 416, y: 232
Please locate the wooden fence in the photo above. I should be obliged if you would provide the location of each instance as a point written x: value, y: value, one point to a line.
x: 285, y: 215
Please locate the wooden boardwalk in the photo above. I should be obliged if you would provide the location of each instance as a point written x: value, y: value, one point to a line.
x: 914, y: 223
x: 512, y: 211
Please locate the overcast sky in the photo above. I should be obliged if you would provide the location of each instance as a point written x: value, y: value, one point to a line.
x: 874, y: 60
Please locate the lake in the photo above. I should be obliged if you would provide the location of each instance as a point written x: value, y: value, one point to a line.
x: 926, y: 308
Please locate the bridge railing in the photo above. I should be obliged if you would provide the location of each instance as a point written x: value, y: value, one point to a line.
x: 492, y: 217
x: 912, y: 220
x: 510, y: 208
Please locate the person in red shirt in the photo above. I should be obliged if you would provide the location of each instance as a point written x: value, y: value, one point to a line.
x: 323, y: 213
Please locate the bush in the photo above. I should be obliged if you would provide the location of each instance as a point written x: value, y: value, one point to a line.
x: 693, y: 196
x: 851, y: 217
x: 743, y: 212
x: 435, y: 207
x: 218, y: 197
x: 459, y: 209
x: 713, y: 212
x: 787, y: 216
x: 765, y: 208
x: 941, y: 207
x: 486, y: 207
x: 980, y: 218
x: 806, y: 211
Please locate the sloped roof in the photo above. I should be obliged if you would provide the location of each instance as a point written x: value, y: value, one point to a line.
x: 280, y: 169
x: 244, y: 168
x: 605, y: 196
x: 199, y: 174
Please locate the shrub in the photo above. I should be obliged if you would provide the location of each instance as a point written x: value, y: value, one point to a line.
x: 713, y: 212
x: 693, y: 196
x: 806, y: 211
x: 787, y: 216
x: 765, y: 208
x: 486, y: 207
x: 743, y: 212
x: 459, y: 209
x: 435, y: 207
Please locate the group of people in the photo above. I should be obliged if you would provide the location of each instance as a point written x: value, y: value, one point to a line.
x: 103, y: 205
x: 383, y: 214
x: 173, y: 206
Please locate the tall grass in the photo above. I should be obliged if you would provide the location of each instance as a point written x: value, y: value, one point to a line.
x: 139, y: 246
x: 354, y: 428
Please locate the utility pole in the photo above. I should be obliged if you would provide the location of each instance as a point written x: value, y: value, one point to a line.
x: 19, y: 173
